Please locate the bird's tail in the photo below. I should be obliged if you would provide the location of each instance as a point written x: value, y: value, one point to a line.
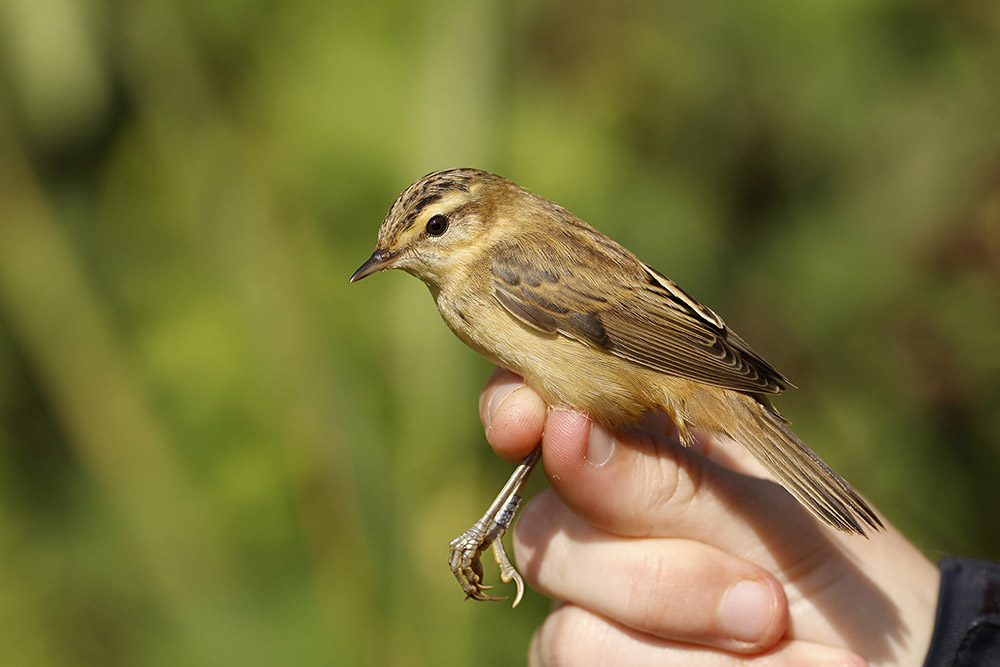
x: 753, y: 423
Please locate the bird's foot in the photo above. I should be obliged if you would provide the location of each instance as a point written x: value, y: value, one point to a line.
x: 464, y: 559
x: 465, y: 552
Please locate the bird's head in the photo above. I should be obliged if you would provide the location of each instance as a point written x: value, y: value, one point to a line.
x: 437, y: 225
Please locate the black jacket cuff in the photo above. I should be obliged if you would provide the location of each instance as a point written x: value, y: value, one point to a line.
x: 967, y: 628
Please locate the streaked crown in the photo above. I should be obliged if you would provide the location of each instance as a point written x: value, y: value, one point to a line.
x: 405, y: 215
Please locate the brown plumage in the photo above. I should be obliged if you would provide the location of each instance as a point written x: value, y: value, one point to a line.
x: 538, y: 291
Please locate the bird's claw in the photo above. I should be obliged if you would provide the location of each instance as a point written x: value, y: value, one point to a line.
x: 465, y: 555
x: 464, y: 558
x: 507, y: 571
x: 465, y: 551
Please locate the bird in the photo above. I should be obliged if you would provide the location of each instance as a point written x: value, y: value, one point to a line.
x: 591, y: 327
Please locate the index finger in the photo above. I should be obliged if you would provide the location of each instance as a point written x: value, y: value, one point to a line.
x: 513, y: 415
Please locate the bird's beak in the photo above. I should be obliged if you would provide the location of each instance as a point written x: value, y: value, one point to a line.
x: 379, y: 261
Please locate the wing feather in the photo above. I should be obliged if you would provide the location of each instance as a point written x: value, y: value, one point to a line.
x: 645, y: 319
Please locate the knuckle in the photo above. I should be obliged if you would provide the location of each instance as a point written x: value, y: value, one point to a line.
x: 653, y: 579
x: 672, y: 479
x: 570, y: 636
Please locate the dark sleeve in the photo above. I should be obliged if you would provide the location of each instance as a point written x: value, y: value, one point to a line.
x: 967, y: 628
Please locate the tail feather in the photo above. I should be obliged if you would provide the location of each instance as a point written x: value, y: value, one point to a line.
x: 763, y: 433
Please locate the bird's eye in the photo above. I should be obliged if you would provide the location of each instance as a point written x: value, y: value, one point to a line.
x: 437, y: 225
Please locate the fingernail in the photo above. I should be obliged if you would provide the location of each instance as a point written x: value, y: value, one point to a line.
x: 600, y: 445
x: 746, y: 611
x: 498, y: 397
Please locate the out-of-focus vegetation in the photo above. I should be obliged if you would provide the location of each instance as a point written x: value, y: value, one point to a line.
x: 212, y: 451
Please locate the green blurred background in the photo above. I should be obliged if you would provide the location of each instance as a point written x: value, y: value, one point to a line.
x: 215, y: 452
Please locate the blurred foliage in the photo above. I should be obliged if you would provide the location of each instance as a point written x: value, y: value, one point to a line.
x: 213, y: 452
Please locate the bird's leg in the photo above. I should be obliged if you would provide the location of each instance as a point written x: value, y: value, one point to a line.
x: 466, y: 549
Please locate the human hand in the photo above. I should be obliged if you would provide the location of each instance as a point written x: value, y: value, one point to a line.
x: 665, y: 555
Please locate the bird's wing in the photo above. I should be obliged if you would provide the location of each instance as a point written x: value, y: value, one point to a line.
x: 613, y: 302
